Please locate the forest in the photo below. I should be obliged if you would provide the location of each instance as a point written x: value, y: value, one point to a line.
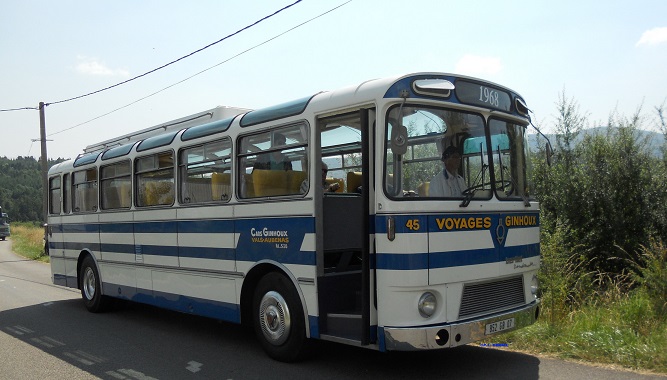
x: 21, y: 188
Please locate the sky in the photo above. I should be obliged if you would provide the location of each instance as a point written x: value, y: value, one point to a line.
x: 606, y: 56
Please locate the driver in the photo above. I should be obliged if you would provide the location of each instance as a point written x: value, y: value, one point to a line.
x: 448, y: 183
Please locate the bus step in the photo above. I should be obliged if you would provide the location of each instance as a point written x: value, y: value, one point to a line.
x: 344, y: 325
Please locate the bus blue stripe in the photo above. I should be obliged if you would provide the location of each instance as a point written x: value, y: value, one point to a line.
x: 117, y: 248
x: 437, y: 260
x: 206, y: 226
x: 393, y: 261
x: 117, y: 228
x: 159, y: 250
x: 156, y: 227
x: 206, y: 253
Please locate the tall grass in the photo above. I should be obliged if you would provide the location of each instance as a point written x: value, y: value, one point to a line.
x: 598, y: 317
x: 27, y: 239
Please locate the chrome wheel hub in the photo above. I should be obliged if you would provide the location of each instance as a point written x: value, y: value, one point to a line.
x: 274, y: 318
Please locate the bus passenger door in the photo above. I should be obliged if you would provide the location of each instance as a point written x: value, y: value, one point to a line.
x: 344, y: 275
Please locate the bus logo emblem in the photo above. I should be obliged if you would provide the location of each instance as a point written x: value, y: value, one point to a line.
x: 501, y: 231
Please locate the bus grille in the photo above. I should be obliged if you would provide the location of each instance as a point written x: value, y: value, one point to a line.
x: 488, y: 297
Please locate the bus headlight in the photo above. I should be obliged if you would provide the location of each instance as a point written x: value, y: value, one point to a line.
x: 427, y: 304
x: 534, y: 286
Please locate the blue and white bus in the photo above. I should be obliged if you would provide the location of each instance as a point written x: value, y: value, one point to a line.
x: 227, y: 214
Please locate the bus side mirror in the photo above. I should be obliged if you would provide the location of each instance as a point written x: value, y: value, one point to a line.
x: 549, y: 153
x: 399, y: 140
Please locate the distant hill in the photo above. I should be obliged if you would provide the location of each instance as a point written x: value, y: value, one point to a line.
x: 655, y: 139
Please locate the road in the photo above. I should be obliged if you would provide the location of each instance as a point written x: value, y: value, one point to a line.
x: 45, y: 332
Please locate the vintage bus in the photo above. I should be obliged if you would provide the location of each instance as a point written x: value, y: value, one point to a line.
x: 227, y: 214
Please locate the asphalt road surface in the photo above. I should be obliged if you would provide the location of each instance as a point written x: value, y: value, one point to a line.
x: 46, y: 333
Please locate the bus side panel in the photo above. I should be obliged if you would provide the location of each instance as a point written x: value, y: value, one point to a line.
x: 57, y: 251
x: 401, y: 269
x: 117, y: 251
x: 156, y: 237
x: 206, y: 295
x: 80, y: 236
x: 286, y: 241
x: 206, y: 238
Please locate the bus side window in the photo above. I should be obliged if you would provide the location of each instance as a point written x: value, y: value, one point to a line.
x: 85, y: 190
x: 205, y: 172
x: 116, y: 185
x: 274, y: 162
x: 54, y: 195
x: 155, y: 179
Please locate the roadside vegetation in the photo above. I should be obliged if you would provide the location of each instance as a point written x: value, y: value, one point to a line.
x: 603, y: 278
x: 27, y: 240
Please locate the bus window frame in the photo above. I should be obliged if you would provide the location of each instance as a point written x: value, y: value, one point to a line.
x: 51, y: 194
x: 103, y: 188
x: 182, y: 170
x: 243, y: 170
x: 76, y: 192
x: 138, y: 172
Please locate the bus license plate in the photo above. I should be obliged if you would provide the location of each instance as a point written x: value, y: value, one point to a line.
x: 499, y: 326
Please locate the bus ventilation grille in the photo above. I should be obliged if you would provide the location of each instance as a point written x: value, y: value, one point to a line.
x: 489, y: 297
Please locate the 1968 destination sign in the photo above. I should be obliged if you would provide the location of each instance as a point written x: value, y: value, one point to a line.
x: 483, y: 96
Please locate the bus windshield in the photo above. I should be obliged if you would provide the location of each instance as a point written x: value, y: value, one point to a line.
x: 448, y: 155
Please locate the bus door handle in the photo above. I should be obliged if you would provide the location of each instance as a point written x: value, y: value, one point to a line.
x: 391, y: 228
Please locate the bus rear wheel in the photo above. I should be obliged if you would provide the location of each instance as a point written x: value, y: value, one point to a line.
x: 278, y: 318
x: 91, y: 290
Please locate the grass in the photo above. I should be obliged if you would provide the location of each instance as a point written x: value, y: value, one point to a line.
x: 623, y: 332
x: 597, y: 317
x: 27, y: 241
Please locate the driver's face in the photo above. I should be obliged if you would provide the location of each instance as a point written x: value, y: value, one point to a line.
x: 453, y: 162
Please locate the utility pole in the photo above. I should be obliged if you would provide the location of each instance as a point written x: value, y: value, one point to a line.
x: 45, y: 165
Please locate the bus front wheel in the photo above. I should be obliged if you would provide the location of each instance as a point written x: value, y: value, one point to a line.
x: 91, y: 291
x: 278, y: 318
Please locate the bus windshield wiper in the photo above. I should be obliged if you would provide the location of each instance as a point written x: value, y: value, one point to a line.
x: 469, y: 194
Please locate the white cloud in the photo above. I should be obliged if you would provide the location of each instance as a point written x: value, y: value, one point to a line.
x: 653, y: 37
x: 476, y: 65
x: 92, y: 66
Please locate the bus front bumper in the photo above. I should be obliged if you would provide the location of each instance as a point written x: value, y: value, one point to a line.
x: 458, y: 334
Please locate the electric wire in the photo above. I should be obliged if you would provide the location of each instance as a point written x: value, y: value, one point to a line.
x: 202, y: 71
x: 179, y: 59
x: 160, y: 67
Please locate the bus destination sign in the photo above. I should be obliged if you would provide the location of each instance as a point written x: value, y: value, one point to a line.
x: 483, y: 96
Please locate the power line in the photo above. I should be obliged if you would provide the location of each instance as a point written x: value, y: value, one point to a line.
x: 161, y: 67
x: 179, y: 59
x: 19, y: 109
x: 203, y: 71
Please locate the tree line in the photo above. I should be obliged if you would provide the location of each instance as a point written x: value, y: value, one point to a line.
x: 21, y: 188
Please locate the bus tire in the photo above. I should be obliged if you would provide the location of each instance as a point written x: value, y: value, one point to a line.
x: 278, y: 318
x: 91, y: 290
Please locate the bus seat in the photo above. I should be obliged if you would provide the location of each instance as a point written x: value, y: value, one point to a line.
x: 220, y: 186
x: 159, y: 193
x: 296, y: 178
x: 247, y: 187
x: 125, y: 194
x: 422, y: 189
x: 269, y: 182
x: 110, y: 198
x: 339, y: 181
x: 353, y: 181
x: 197, y: 190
